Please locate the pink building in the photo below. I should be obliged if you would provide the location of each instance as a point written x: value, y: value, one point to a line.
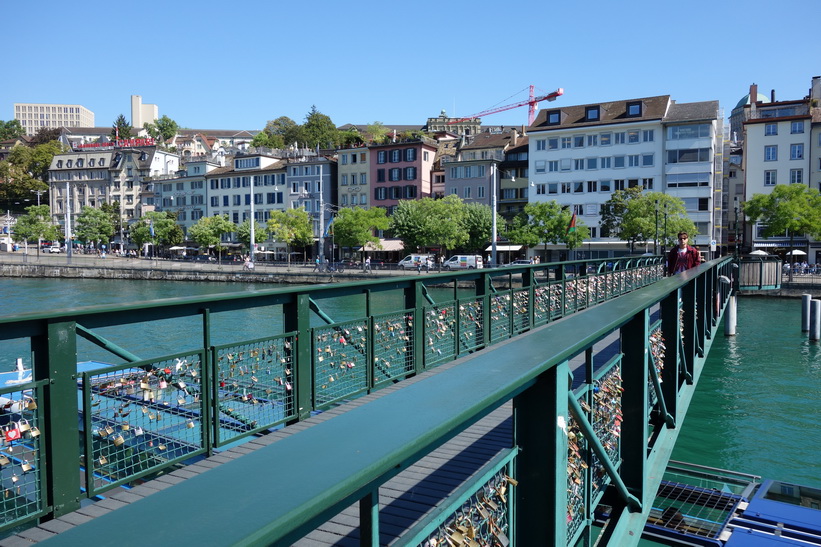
x: 401, y: 170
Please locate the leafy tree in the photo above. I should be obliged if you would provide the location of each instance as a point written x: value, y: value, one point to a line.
x: 377, y: 131
x: 319, y: 130
x: 36, y: 224
x: 11, y: 129
x: 94, y: 225
x: 244, y: 232
x: 356, y: 227
x: 548, y: 222
x: 267, y: 140
x: 351, y: 137
x: 46, y: 134
x: 630, y: 215
x: 286, y: 128
x: 36, y: 160
x: 164, y: 226
x: 162, y: 129
x: 292, y: 227
x: 428, y: 222
x: 478, y: 224
x: 121, y: 127
x: 114, y: 212
x: 208, y: 231
x: 789, y: 208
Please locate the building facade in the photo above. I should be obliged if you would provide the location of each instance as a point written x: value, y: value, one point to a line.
x: 36, y: 116
x: 354, y: 177
x: 401, y: 170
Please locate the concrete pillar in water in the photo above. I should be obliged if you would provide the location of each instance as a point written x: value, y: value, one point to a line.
x: 730, y: 317
x: 815, y: 320
x: 805, y: 312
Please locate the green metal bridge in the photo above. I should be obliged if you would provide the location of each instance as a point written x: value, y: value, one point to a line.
x: 521, y: 409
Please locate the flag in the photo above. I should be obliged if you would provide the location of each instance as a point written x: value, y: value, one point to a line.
x: 329, y: 229
x: 572, y: 226
x: 151, y: 227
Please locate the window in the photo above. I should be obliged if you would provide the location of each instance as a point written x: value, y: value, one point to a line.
x: 410, y: 154
x: 578, y: 164
x: 797, y: 127
x: 592, y: 140
x: 395, y: 174
x: 380, y: 193
x: 686, y: 155
x: 648, y: 135
x: 344, y: 158
x: 633, y: 160
x: 771, y: 153
x: 553, y: 166
x: 343, y: 181
x: 480, y: 192
x: 382, y: 157
x: 363, y: 179
x: 770, y: 129
x: 566, y: 143
x: 618, y: 184
x: 565, y: 187
x: 565, y: 164
x: 466, y: 192
x: 770, y: 178
x: 591, y: 113
x: 380, y: 175
x: 541, y: 166
x: 344, y: 200
x: 618, y: 162
x: 796, y: 176
x: 541, y: 144
x: 225, y: 201
x: 578, y: 187
x: 605, y: 162
x: 797, y: 151
x: 410, y: 172
x: 540, y: 190
x: 605, y: 186
x: 592, y: 163
x: 554, y: 117
x: 647, y: 184
x: 634, y: 109
x: 647, y: 160
x: 553, y: 188
x: 553, y: 144
x: 606, y: 139
x: 578, y: 141
x: 396, y: 156
x: 633, y: 136
x: 196, y: 185
x: 592, y: 185
x: 237, y: 200
x: 619, y: 138
x: 215, y: 201
x: 59, y: 164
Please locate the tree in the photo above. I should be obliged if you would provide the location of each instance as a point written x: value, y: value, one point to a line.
x: 157, y: 227
x: 292, y: 227
x: 356, y: 227
x: 162, y: 129
x: 548, y: 222
x: 11, y: 129
x: 430, y: 222
x: 630, y: 215
x: 114, y: 213
x: 377, y: 131
x: 46, y: 134
x: 478, y: 224
x: 319, y: 130
x: 263, y: 139
x: 244, y: 232
x: 36, y: 160
x: 286, y: 128
x: 789, y: 209
x: 36, y: 223
x: 208, y: 231
x: 94, y: 225
x: 121, y: 128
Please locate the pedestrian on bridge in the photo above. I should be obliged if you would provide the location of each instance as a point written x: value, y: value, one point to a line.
x: 683, y: 257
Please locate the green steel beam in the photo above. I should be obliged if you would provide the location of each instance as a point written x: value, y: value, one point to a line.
x: 106, y: 344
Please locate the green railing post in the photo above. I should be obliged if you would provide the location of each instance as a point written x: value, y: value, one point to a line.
x: 688, y: 327
x: 55, y: 358
x: 635, y: 346
x: 369, y: 519
x: 670, y: 331
x: 484, y: 289
x: 296, y: 318
x: 541, y: 466
x: 415, y: 300
x: 209, y: 387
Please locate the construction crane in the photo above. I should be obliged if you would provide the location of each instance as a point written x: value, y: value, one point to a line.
x: 532, y: 103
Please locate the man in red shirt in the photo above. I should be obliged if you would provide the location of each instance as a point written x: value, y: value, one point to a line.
x: 683, y: 257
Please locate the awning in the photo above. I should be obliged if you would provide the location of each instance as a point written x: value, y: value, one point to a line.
x: 387, y: 245
x: 505, y: 247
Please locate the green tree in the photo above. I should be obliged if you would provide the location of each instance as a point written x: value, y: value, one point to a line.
x: 114, y: 213
x: 430, y: 222
x: 35, y: 161
x: 267, y: 140
x: 244, y: 232
x: 478, y: 224
x: 11, y: 129
x: 789, y: 209
x: 548, y: 222
x: 158, y: 228
x: 208, y: 232
x: 630, y: 215
x: 357, y: 227
x: 94, y: 226
x: 377, y: 131
x: 292, y: 227
x: 286, y: 128
x: 121, y: 128
x: 162, y: 129
x: 319, y: 130
x: 46, y: 134
x: 36, y: 224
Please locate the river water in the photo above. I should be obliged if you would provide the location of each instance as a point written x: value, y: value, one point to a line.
x: 757, y: 408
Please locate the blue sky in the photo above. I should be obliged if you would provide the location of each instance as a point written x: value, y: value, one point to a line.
x: 223, y: 65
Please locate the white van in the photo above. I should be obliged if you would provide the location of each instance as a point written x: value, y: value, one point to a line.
x: 463, y: 262
x: 410, y: 261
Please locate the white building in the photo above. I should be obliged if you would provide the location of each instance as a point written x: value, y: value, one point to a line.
x: 142, y: 113
x: 35, y: 116
x: 579, y: 155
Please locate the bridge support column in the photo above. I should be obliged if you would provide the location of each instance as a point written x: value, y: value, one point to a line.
x: 730, y: 319
x: 815, y: 320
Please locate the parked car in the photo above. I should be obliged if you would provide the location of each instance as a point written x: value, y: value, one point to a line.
x: 410, y: 261
x: 54, y: 249
x: 520, y: 263
x: 463, y: 262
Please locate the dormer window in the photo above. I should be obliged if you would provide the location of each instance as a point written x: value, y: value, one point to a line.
x: 79, y: 162
x: 59, y: 164
x: 554, y: 117
x: 91, y: 162
x: 591, y: 114
x: 69, y: 163
x: 634, y: 109
x: 102, y: 162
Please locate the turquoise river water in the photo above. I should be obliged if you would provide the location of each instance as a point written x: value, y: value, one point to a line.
x: 757, y: 408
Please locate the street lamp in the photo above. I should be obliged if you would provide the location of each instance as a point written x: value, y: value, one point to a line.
x: 494, y: 175
x: 735, y: 210
x: 664, y: 238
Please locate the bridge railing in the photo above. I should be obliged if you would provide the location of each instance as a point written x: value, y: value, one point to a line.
x: 146, y: 412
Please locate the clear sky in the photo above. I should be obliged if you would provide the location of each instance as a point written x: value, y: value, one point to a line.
x: 236, y: 65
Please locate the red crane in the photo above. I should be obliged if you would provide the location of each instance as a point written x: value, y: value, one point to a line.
x: 531, y: 102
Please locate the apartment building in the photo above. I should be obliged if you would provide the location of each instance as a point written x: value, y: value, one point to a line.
x: 579, y: 155
x: 353, y: 182
x: 401, y: 170
x: 35, y: 116
x: 185, y: 193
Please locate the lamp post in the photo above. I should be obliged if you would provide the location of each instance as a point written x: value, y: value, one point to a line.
x: 664, y: 239
x: 253, y: 222
x: 735, y: 210
x: 656, y: 234
x: 494, y: 175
